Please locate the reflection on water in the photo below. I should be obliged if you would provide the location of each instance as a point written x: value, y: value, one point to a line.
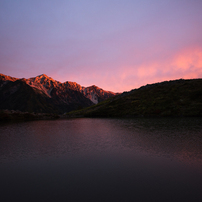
x: 175, y: 138
x: 102, y: 159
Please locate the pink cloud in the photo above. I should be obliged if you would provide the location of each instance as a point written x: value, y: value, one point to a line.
x: 124, y: 76
x: 185, y: 64
x: 188, y: 58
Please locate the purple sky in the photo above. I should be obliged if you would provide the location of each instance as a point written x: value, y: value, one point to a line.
x: 117, y: 45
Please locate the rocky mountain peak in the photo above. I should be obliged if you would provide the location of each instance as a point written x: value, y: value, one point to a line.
x: 64, y: 94
x: 43, y: 75
x: 43, y: 78
x: 7, y: 78
x: 73, y: 85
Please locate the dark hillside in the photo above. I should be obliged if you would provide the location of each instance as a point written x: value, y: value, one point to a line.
x: 169, y: 98
x: 18, y: 95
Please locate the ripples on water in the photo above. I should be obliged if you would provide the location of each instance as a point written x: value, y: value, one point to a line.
x: 102, y: 160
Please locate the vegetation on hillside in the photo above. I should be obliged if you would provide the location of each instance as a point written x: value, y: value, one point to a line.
x: 169, y: 98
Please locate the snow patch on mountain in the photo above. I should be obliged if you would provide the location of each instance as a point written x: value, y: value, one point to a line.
x: 93, y: 97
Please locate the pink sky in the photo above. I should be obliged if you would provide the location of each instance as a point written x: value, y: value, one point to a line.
x: 117, y: 45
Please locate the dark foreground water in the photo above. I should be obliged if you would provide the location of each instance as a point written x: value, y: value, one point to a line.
x: 101, y: 160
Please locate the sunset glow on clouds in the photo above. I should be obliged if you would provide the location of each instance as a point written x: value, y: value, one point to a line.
x: 187, y: 64
x: 117, y: 45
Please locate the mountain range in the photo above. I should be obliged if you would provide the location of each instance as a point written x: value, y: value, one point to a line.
x: 42, y: 94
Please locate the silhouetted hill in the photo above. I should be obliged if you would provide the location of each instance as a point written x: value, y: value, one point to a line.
x: 169, y: 98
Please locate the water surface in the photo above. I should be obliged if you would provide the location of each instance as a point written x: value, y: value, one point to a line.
x: 102, y: 160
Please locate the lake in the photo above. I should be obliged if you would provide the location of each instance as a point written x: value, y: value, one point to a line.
x: 88, y: 159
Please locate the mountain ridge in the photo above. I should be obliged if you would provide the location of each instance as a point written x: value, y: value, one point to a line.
x: 59, y: 97
x: 88, y: 92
